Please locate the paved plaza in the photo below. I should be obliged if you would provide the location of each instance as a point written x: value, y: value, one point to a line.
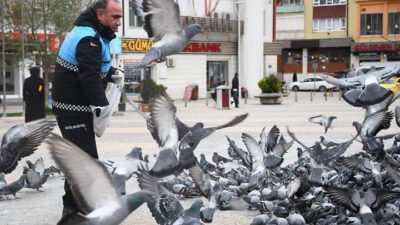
x: 128, y: 130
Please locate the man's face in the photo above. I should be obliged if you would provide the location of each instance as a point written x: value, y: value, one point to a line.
x: 111, y: 16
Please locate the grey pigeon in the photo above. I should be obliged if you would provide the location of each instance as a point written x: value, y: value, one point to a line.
x: 325, y: 121
x: 205, y: 165
x: 36, y: 175
x: 243, y: 155
x: 257, y: 160
x: 216, y: 158
x: 397, y: 115
x: 165, y: 207
x: 268, y: 141
x: 13, y: 188
x: 127, y: 165
x: 92, y: 187
x: 21, y: 141
x: 162, y: 22
x: 296, y: 219
x: 168, y: 130
x: 260, y: 220
x: 361, y: 201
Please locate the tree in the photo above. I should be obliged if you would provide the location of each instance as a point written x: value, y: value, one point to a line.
x: 45, y: 23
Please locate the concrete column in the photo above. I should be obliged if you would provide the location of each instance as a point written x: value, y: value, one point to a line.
x: 252, y: 45
x: 305, y: 61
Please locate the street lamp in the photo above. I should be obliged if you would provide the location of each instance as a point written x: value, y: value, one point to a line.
x: 315, y: 66
x: 3, y: 56
x: 239, y: 33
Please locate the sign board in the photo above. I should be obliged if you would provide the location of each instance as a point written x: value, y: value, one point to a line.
x: 315, y: 65
x: 376, y: 47
x: 188, y: 93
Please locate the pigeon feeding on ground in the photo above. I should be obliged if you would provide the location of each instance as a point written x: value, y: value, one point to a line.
x: 325, y: 121
x: 92, y: 187
x: 171, y: 134
x: 13, y: 188
x: 36, y: 175
x: 164, y: 206
x: 162, y: 23
x: 21, y: 141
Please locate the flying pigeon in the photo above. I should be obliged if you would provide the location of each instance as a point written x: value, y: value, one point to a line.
x: 92, y: 187
x: 171, y: 134
x: 13, y: 188
x: 243, y: 155
x: 164, y: 206
x: 361, y: 201
x: 162, y: 23
x: 21, y: 141
x: 36, y: 175
x: 324, y: 121
x: 268, y: 141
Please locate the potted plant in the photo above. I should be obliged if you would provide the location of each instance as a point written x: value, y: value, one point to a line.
x: 270, y: 87
x: 148, y: 90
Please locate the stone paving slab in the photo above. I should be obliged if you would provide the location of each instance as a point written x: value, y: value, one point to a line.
x: 129, y: 130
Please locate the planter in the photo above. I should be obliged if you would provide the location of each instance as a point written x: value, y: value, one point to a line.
x: 145, y: 107
x: 270, y: 98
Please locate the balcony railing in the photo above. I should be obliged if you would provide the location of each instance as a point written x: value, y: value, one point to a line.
x: 290, y: 9
x: 213, y: 25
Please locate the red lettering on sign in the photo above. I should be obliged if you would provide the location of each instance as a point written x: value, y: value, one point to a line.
x: 203, y: 47
x: 374, y: 47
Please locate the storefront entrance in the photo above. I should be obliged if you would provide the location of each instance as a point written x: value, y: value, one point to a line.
x: 217, y: 74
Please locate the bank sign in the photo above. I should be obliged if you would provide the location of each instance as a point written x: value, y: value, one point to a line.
x: 143, y: 45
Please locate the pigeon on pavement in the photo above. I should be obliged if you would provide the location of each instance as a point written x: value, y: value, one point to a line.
x: 13, y: 188
x: 21, y: 141
x: 164, y: 206
x: 325, y: 121
x: 92, y: 187
x: 36, y: 175
x: 162, y: 22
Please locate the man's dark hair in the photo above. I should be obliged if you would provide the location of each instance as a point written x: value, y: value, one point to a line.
x: 101, y: 4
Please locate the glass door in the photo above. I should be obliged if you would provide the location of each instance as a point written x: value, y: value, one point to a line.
x: 217, y: 74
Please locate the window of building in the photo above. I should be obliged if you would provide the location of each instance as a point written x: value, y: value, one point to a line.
x: 290, y: 2
x: 133, y: 20
x: 217, y: 74
x: 371, y: 24
x: 394, y: 23
x: 329, y: 2
x: 329, y: 24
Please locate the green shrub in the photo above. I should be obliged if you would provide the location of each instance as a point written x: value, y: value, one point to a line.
x: 149, y: 89
x: 270, y: 84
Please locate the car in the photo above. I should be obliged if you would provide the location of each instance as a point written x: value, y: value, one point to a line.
x: 308, y: 84
x: 392, y: 84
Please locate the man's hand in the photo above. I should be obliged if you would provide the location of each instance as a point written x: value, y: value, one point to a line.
x: 96, y: 110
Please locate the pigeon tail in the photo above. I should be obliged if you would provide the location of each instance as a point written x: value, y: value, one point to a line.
x: 167, y: 163
x: 367, y: 216
x: 373, y: 94
x: 152, y: 55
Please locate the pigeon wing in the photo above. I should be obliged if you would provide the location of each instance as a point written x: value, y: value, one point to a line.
x: 397, y: 115
x: 39, y: 166
x: 163, y: 16
x: 201, y: 180
x: 382, y: 196
x: 243, y: 156
x: 21, y: 141
x: 256, y: 153
x: 162, y: 114
x: 164, y: 207
x: 272, y: 138
x: 238, y: 119
x: 317, y: 119
x: 90, y: 181
x: 351, y: 97
x: 334, y: 152
x: 296, y: 140
x: 341, y: 196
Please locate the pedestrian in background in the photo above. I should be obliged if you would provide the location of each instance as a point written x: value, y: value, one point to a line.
x: 294, y: 79
x: 235, y: 90
x: 33, y: 96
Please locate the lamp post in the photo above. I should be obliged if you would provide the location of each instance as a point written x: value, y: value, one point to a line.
x: 3, y: 61
x: 239, y: 33
x: 315, y: 66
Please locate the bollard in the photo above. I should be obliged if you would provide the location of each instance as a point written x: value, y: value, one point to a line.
x: 311, y: 96
x: 295, y: 96
x: 326, y: 95
x: 185, y: 104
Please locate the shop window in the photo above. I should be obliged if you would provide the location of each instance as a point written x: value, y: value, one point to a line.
x: 371, y: 24
x: 217, y: 74
x: 290, y: 2
x: 394, y: 23
x: 133, y: 20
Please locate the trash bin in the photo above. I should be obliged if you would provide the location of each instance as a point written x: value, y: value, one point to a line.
x: 223, y: 97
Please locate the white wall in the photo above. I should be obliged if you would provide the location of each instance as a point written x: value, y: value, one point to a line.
x: 197, y: 9
x: 290, y: 26
x: 268, y: 17
x: 252, y: 47
x: 270, y: 63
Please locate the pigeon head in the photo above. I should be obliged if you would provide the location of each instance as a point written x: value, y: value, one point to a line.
x: 135, y: 153
x: 192, y: 30
x: 196, y: 206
